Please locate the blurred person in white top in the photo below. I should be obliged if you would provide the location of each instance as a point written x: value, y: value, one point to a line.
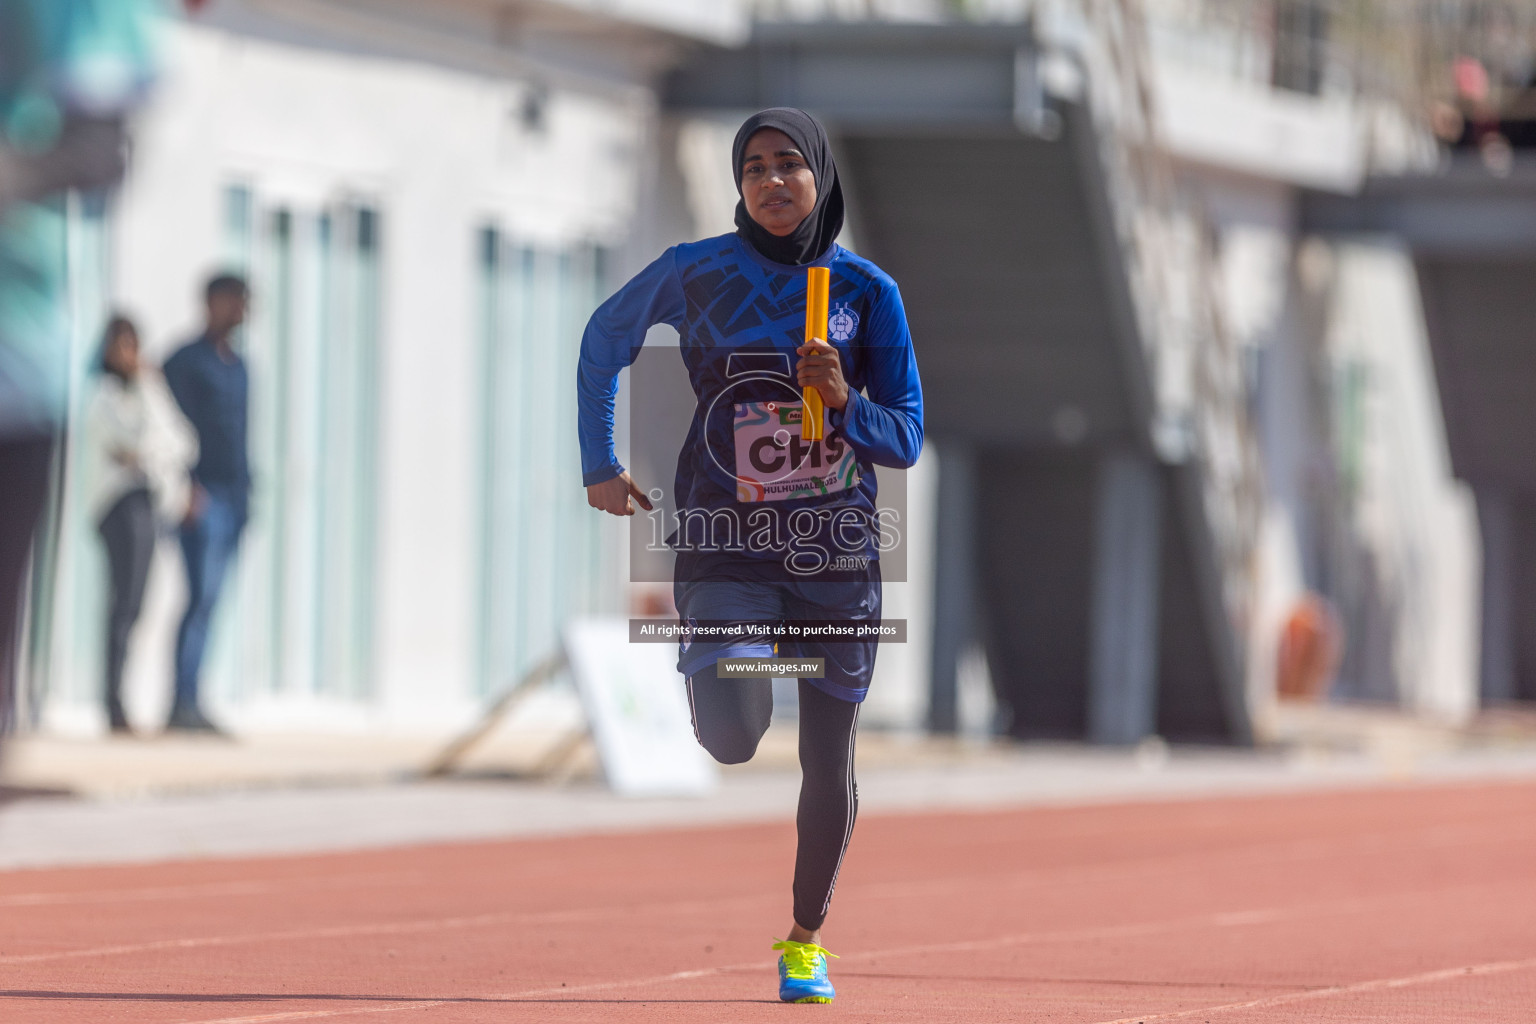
x: 140, y: 448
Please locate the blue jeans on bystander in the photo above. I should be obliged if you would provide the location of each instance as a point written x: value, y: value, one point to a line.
x: 208, y: 544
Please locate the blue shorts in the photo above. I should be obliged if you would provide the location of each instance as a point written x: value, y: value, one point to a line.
x: 849, y: 663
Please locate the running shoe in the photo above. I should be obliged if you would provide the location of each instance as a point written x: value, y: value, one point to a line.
x: 803, y: 973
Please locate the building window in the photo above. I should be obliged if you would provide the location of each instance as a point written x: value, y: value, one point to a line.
x: 1301, y: 45
x: 299, y: 620
x: 542, y: 548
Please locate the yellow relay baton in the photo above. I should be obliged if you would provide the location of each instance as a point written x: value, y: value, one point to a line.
x: 818, y: 283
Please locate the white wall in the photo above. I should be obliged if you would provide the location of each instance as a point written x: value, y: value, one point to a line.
x: 1412, y: 512
x: 1301, y: 312
x: 1251, y: 219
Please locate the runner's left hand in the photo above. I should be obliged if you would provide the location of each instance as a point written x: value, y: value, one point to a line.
x: 821, y: 367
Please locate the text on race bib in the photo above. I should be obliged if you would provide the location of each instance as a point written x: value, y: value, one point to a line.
x: 774, y: 464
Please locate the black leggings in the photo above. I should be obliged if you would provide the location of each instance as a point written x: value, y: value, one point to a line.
x: 731, y: 715
x: 129, y: 531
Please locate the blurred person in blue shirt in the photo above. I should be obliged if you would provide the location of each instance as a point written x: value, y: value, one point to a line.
x: 209, y: 381
x: 70, y: 70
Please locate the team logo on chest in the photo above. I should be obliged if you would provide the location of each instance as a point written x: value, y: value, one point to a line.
x: 842, y: 323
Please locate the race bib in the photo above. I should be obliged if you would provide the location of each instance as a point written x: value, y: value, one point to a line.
x: 773, y: 463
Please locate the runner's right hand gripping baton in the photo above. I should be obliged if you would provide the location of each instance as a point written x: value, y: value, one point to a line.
x: 818, y: 283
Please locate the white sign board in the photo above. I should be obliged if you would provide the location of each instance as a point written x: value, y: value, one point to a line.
x: 637, y: 709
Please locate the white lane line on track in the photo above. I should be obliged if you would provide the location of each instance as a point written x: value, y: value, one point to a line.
x: 1222, y: 919
x: 298, y: 934
x: 1268, y: 852
x: 312, y: 1014
x: 1428, y: 977
x: 532, y: 993
x: 392, y: 928
x: 1226, y: 919
x: 897, y: 890
x: 1378, y: 984
x: 194, y: 891
x: 1375, y: 985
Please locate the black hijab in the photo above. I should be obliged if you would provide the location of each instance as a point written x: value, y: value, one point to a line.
x: 814, y: 235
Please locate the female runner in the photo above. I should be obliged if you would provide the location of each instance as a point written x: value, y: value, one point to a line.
x: 772, y: 529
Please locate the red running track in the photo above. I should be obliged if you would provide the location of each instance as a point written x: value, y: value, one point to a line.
x: 1403, y: 905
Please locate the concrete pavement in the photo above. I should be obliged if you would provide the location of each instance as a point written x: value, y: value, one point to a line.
x: 376, y: 801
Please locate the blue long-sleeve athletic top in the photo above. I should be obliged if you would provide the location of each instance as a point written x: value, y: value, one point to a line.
x: 740, y: 318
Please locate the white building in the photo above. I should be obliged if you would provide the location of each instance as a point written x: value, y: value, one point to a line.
x: 1258, y: 104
